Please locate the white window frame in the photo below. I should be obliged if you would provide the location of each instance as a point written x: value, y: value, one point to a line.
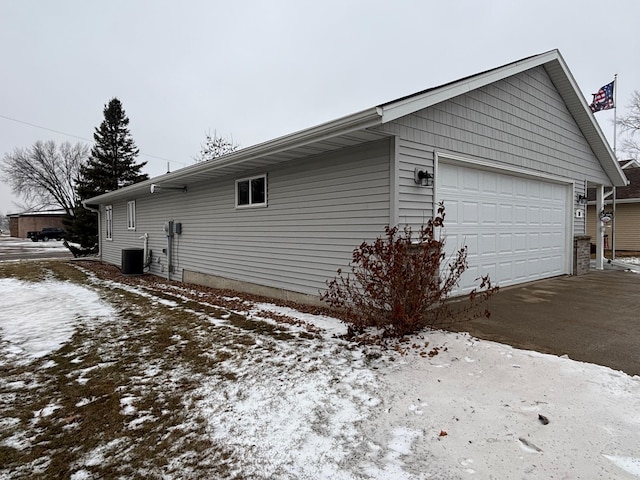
x: 108, y: 220
x: 131, y: 215
x: 251, y: 203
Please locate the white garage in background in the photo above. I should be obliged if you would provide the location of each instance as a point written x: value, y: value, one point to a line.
x: 517, y: 228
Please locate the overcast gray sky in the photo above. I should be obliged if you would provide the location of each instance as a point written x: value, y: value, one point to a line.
x: 257, y: 70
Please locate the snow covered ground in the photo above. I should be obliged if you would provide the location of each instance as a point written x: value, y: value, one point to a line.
x: 630, y: 262
x: 10, y: 245
x: 441, y: 406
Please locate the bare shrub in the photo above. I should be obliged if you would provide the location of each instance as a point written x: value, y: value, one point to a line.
x: 397, y: 284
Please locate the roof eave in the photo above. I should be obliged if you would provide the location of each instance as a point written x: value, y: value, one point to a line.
x: 357, y: 121
x: 557, y: 69
x: 576, y: 103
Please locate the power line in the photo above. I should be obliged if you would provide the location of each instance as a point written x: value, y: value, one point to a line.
x: 80, y: 138
x: 45, y: 128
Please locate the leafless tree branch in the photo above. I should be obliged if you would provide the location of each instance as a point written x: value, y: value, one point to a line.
x: 630, y: 124
x: 44, y: 175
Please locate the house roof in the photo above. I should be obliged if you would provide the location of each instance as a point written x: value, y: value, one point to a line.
x: 628, y: 194
x: 41, y: 213
x: 356, y: 128
x: 633, y: 189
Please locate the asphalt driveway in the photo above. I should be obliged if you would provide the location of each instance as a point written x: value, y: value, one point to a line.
x: 592, y: 318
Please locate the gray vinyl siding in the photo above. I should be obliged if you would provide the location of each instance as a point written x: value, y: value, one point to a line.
x: 519, y: 121
x: 318, y: 210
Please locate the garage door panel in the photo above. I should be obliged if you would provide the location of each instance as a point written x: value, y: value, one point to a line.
x: 520, y: 271
x: 533, y: 216
x: 506, y: 185
x: 470, y: 181
x: 506, y: 214
x: 521, y: 215
x: 505, y: 243
x: 558, y: 217
x: 489, y: 184
x: 489, y: 213
x: 451, y: 211
x: 470, y: 212
x: 514, y: 227
x: 505, y: 270
x: 488, y: 244
x: 520, y: 242
x: 471, y: 241
x: 533, y: 243
x: 448, y: 178
x: 520, y: 188
x: 533, y: 190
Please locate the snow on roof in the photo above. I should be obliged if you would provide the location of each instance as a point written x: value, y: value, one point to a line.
x: 41, y: 213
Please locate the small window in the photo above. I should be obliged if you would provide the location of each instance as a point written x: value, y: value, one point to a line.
x: 252, y: 192
x: 131, y: 215
x: 108, y: 220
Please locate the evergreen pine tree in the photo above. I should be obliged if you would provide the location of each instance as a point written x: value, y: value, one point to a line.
x: 111, y: 165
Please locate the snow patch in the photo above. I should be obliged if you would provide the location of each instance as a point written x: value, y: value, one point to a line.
x: 628, y: 464
x: 37, y: 318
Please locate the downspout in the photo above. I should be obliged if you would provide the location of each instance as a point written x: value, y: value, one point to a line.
x: 96, y: 210
x: 146, y: 261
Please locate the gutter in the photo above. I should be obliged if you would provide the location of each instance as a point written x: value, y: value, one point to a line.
x: 357, y: 121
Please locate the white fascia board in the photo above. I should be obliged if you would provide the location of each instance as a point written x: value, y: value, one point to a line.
x: 357, y: 121
x: 413, y: 104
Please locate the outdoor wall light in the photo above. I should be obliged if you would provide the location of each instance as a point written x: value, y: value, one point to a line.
x: 581, y: 199
x: 422, y: 177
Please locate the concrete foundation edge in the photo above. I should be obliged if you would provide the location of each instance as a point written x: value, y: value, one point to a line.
x: 215, y: 281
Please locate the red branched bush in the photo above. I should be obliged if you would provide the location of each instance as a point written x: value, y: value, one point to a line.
x: 397, y: 284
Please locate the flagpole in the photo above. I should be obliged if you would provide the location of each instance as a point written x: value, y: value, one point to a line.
x: 615, y: 122
x: 615, y: 111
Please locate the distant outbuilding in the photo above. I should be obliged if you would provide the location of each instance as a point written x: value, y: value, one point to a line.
x: 21, y: 223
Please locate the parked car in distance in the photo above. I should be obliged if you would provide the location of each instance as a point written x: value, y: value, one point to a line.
x: 47, y: 233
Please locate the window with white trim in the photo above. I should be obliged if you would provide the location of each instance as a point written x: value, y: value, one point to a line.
x: 131, y: 215
x: 108, y: 222
x: 252, y: 191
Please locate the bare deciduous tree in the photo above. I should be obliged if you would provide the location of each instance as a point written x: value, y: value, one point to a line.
x: 45, y: 174
x: 215, y: 146
x: 630, y: 124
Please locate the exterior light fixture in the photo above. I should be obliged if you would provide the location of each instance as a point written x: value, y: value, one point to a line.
x: 606, y: 217
x: 422, y: 177
x: 581, y: 199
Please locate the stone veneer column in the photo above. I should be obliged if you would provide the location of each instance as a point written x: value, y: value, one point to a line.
x: 581, y: 254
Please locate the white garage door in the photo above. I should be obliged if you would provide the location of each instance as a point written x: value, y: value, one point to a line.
x: 515, y: 227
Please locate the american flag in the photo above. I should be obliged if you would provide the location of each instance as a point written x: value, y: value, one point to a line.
x: 603, y: 100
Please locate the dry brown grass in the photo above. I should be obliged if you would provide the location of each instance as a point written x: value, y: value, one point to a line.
x: 151, y: 356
